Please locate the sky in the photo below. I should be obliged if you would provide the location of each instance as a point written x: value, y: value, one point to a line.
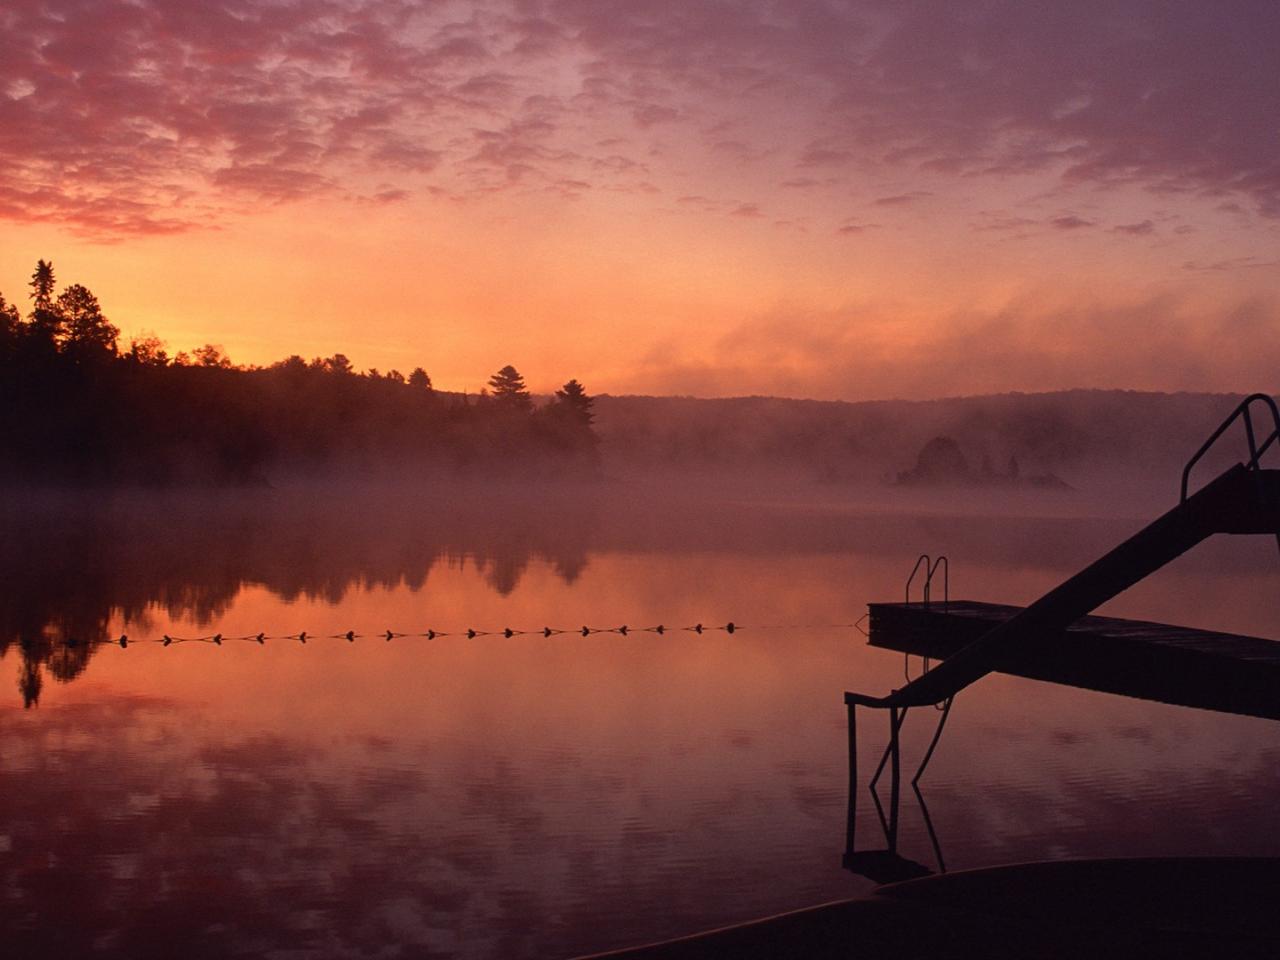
x: 814, y: 198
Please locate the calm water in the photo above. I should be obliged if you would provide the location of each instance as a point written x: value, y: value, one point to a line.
x: 532, y: 796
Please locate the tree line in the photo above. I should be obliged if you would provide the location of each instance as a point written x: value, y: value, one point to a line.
x: 76, y: 407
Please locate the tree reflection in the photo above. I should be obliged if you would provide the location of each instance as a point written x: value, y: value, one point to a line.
x: 71, y: 569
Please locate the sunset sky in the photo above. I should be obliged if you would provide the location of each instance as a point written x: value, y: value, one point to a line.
x: 714, y: 197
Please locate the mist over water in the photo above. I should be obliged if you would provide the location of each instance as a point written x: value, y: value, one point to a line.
x: 546, y: 796
x: 432, y: 544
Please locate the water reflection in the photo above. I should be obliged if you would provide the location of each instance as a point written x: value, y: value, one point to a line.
x: 75, y: 568
x: 1097, y: 788
x: 71, y: 571
x: 525, y: 796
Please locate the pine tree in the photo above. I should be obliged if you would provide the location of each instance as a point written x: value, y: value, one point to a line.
x: 509, y: 390
x: 573, y: 402
x: 42, y: 283
x: 86, y: 333
x: 46, y: 322
x: 568, y: 425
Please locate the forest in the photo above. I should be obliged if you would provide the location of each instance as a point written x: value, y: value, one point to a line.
x: 77, y: 408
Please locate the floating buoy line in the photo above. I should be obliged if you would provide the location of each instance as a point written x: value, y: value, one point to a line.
x: 470, y: 633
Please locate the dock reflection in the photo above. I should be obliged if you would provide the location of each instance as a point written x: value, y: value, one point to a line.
x: 1087, y: 656
x: 885, y: 864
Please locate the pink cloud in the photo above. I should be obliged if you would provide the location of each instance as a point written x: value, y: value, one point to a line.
x: 648, y: 114
x: 1143, y: 229
x: 125, y: 107
x: 901, y: 199
x: 853, y: 227
x: 1070, y: 222
x: 844, y: 354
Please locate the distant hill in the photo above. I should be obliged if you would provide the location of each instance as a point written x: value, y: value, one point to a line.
x: 1067, y: 433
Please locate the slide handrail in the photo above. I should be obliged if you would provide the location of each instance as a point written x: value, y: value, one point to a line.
x: 1255, y: 451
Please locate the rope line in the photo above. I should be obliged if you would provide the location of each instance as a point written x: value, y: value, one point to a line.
x: 471, y: 633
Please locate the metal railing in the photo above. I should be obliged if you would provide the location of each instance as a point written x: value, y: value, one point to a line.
x: 1241, y: 412
x: 930, y: 569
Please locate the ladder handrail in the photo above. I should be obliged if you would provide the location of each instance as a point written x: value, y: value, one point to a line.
x: 1255, y: 451
x: 930, y: 569
x: 942, y: 561
x: 926, y: 560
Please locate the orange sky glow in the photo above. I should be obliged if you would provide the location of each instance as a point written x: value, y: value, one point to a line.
x: 842, y: 200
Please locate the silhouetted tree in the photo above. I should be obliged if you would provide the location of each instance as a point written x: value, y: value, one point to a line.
x: 42, y: 283
x: 86, y: 333
x: 9, y: 314
x: 10, y: 327
x: 77, y: 408
x: 509, y: 390
x: 46, y: 322
x: 940, y: 462
x: 566, y: 426
x: 338, y: 363
x: 573, y: 402
x: 211, y: 355
x: 148, y: 351
x: 294, y: 365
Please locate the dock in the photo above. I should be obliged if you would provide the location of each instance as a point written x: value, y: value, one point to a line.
x: 1242, y: 500
x: 1153, y: 661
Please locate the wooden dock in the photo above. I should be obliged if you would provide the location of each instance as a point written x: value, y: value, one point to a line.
x: 1153, y: 661
x: 1243, y: 499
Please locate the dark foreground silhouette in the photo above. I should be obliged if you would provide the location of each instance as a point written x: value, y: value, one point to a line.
x: 1192, y: 907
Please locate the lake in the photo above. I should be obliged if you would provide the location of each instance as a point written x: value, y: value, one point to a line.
x: 546, y: 796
